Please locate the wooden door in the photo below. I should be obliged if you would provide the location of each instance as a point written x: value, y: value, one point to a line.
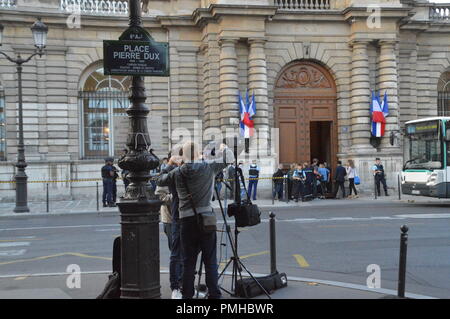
x: 305, y: 92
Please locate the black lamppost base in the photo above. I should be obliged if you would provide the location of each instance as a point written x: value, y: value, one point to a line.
x: 140, y: 248
x: 21, y: 209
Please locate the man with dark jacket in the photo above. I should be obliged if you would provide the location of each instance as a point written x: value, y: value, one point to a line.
x: 278, y: 182
x: 108, y: 175
x: 194, y: 183
x: 378, y: 173
x: 310, y: 178
x: 339, y: 178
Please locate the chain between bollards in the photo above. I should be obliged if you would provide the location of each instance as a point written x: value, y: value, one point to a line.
x: 402, y: 261
x: 273, y: 248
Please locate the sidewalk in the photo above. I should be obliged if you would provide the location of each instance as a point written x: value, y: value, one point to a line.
x: 55, y: 287
x: 87, y: 206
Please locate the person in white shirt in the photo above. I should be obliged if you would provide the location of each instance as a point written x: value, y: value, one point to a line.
x: 351, y: 173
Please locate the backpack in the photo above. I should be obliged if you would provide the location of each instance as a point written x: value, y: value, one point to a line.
x: 112, y: 287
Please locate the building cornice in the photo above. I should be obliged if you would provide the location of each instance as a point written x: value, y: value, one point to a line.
x: 203, y: 16
x: 387, y: 12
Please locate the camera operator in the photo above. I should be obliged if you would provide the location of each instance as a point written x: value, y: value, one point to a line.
x: 176, y: 255
x: 197, y: 173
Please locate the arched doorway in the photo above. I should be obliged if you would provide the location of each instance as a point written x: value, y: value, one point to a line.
x: 306, y: 113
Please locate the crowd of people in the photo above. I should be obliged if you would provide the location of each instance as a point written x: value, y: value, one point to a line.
x: 184, y: 183
x: 315, y: 180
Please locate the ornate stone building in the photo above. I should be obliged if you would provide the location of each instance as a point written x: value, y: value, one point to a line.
x: 311, y: 63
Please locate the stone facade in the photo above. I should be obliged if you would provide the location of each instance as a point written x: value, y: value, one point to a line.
x: 218, y: 47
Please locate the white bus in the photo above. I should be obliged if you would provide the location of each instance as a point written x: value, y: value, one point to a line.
x: 427, y: 145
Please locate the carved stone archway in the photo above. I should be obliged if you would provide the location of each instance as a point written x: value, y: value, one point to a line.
x: 306, y: 113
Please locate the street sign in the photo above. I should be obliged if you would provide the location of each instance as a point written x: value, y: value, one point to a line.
x: 145, y: 58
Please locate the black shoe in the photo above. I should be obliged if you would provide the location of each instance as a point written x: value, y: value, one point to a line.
x: 112, y: 205
x: 387, y: 194
x: 104, y: 205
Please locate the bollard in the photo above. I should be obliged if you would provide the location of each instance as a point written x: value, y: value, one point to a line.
x: 402, y: 261
x: 285, y: 194
x: 48, y: 204
x: 399, y: 187
x: 273, y: 191
x: 97, y: 197
x: 375, y: 187
x: 273, y: 248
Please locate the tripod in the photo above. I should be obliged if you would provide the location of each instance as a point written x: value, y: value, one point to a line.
x: 235, y: 261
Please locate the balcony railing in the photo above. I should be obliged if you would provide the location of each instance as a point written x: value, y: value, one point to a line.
x: 303, y: 4
x: 7, y: 3
x: 440, y: 12
x: 95, y: 7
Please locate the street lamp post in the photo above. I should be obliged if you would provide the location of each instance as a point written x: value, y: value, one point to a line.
x: 39, y: 31
x: 139, y: 207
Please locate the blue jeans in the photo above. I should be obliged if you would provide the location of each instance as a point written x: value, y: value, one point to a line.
x: 252, y: 186
x: 176, y: 256
x: 107, y: 191
x: 193, y: 241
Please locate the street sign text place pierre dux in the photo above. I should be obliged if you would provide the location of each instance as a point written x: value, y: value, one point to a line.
x: 135, y: 58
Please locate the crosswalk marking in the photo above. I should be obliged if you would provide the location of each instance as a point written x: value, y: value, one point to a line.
x: 14, y: 244
x: 12, y: 253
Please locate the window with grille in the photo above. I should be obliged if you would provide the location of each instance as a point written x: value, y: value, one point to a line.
x: 2, y: 126
x: 103, y: 102
x: 444, y: 95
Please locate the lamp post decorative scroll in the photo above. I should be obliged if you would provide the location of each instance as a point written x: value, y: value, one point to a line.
x: 39, y: 31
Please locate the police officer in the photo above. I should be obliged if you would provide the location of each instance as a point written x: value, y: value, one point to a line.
x: 114, y: 186
x: 310, y: 178
x: 108, y: 175
x: 378, y: 173
x: 253, y: 174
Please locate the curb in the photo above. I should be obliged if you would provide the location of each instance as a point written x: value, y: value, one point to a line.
x: 387, y: 293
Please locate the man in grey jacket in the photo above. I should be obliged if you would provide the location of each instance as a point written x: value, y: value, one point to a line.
x: 199, y: 172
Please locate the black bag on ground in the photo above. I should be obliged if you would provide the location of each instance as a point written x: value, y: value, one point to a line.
x: 246, y: 214
x: 248, y: 288
x: 112, y: 287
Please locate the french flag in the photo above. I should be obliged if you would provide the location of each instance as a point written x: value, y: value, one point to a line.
x: 379, y: 112
x: 247, y: 111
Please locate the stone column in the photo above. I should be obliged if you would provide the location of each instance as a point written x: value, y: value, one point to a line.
x: 228, y: 85
x: 360, y: 97
x: 257, y: 83
x: 388, y: 79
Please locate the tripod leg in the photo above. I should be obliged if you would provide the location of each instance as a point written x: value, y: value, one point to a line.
x: 226, y: 266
